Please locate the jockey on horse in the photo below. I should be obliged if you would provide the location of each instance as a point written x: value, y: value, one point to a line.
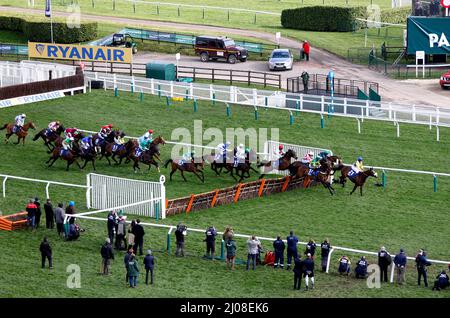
x: 66, y: 145
x: 222, y: 150
x: 119, y: 142
x: 357, y: 168
x: 71, y: 132
x: 187, y: 157
x: 101, y: 136
x: 19, y: 121
x: 239, y: 154
x: 144, y: 143
x: 278, y: 155
x: 52, y: 129
x: 308, y: 158
x: 86, y: 144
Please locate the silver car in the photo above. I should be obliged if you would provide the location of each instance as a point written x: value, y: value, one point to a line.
x: 281, y: 59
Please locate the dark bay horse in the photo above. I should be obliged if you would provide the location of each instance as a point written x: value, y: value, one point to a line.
x: 245, y: 167
x: 88, y: 155
x: 302, y: 171
x: 283, y: 163
x: 21, y: 134
x: 69, y: 156
x: 359, y: 180
x: 188, y: 166
x: 49, y: 138
x: 147, y: 156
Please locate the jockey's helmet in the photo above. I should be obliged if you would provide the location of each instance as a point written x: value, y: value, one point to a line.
x: 193, y: 152
x: 241, y: 146
x: 360, y: 159
x: 58, y: 123
x: 89, y: 136
x: 247, y: 149
x: 280, y: 147
x: 71, y: 139
x: 150, y: 131
x: 228, y: 143
x: 23, y: 115
x: 311, y: 154
x: 110, y: 125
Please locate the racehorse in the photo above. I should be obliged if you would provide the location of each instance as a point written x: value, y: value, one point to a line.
x: 188, y: 166
x: 21, y: 134
x: 246, y: 166
x: 323, y: 175
x: 359, y: 180
x: 283, y: 163
x: 218, y: 165
x: 101, y: 143
x: 108, y: 148
x: 59, y: 139
x: 49, y: 138
x: 70, y: 156
x: 147, y: 156
x: 88, y: 155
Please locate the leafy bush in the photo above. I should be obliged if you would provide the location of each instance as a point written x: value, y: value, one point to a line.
x: 38, y: 30
x: 397, y: 16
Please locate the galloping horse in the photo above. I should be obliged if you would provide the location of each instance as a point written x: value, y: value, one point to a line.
x: 323, y: 175
x: 103, y: 142
x: 246, y: 166
x: 48, y: 139
x: 89, y: 155
x: 59, y: 140
x: 359, y: 180
x: 218, y: 165
x: 147, y: 156
x: 21, y: 134
x: 283, y: 163
x: 70, y: 156
x: 109, y: 146
x: 188, y: 166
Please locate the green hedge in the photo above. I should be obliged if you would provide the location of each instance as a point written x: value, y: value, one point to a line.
x: 397, y: 16
x: 39, y: 31
x: 323, y: 18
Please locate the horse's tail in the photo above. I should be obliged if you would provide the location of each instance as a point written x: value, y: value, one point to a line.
x: 4, y: 126
x: 167, y: 163
x: 36, y: 137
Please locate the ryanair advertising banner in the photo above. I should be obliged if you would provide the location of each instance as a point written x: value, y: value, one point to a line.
x: 79, y: 52
x: 431, y: 35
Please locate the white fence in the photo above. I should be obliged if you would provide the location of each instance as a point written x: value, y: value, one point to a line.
x: 323, y: 105
x: 12, y: 73
x: 109, y: 192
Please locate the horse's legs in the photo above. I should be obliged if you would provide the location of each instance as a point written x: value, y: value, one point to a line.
x: 172, y: 172
x: 198, y: 176
x: 23, y: 141
x: 107, y: 158
x: 182, y: 174
x: 93, y: 163
x: 354, y: 188
x: 85, y: 163
x: 214, y: 168
x: 327, y: 186
x: 51, y: 164
x: 203, y: 175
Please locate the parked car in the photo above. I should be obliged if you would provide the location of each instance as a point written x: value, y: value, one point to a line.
x: 124, y: 40
x: 208, y: 47
x: 281, y: 59
x: 445, y: 80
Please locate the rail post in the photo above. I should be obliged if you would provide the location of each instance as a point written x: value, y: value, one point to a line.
x: 195, y: 105
x: 383, y: 179
x: 266, y: 102
x: 392, y: 273
x: 4, y: 186
x: 398, y: 130
x: 297, y: 106
x: 291, y: 118
x: 434, y: 183
x: 46, y: 190
x: 228, y: 110
x: 167, y: 101
x: 168, y: 240
x: 321, y: 121
x: 116, y: 92
x: 256, y: 113
x: 329, y: 260
x: 187, y: 94
x: 141, y: 96
x: 159, y: 90
x: 359, y: 125
x: 222, y: 250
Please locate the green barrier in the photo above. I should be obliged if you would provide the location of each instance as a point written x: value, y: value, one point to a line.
x: 362, y: 95
x: 228, y: 111
x: 167, y: 101
x: 141, y: 96
x: 256, y: 113
x: 222, y: 250
x: 435, y: 183
x: 195, y: 105
x: 383, y: 179
x: 116, y: 92
x: 159, y: 90
x: 322, y: 124
x: 214, y: 99
x: 168, y: 244
x: 374, y: 95
x: 291, y: 119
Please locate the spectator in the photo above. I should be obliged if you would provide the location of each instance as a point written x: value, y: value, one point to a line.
x: 49, y: 215
x: 228, y: 233
x: 74, y: 232
x: 70, y: 210
x: 253, y: 244
x: 59, y: 218
x: 311, y: 248
x: 139, y: 233
x: 180, y: 233
x: 400, y: 265
x: 131, y: 238
x: 344, y: 265
x: 132, y: 271
x: 46, y: 253
x: 361, y: 268
x: 37, y: 221
x: 121, y: 231
x: 305, y: 81
x: 31, y: 217
x: 306, y: 50
x: 111, y: 225
x: 308, y: 270
x: 298, y: 271
x: 422, y: 263
x: 210, y: 240
x: 107, y: 255
x: 442, y: 281
x: 325, y: 248
x: 149, y: 264
x: 231, y: 252
x: 384, y: 260
x: 279, y: 247
x: 126, y: 259
x: 292, y: 241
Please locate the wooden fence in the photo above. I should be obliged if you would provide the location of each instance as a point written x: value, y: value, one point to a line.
x: 239, y: 192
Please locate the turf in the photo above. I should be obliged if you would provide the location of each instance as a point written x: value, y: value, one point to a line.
x: 407, y: 214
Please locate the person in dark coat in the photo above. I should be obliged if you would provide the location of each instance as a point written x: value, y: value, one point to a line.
x: 422, y: 263
x: 384, y: 260
x: 292, y: 241
x: 38, y: 212
x: 400, y: 261
x: 298, y: 271
x: 46, y: 253
x: 210, y: 240
x: 139, y: 233
x: 305, y: 81
x: 344, y: 265
x: 133, y: 271
x: 180, y: 233
x: 325, y: 248
x: 442, y: 281
x: 31, y: 216
x: 59, y: 218
x: 279, y: 247
x: 126, y: 259
x: 107, y: 255
x: 49, y: 215
x: 308, y: 271
x: 111, y: 225
x: 149, y: 264
x: 361, y: 268
x: 310, y: 248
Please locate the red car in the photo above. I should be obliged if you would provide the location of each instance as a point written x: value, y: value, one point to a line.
x: 445, y: 80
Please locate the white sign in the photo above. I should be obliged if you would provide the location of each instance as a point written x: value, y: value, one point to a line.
x: 278, y: 35
x: 178, y: 56
x: 420, y: 55
x: 30, y: 99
